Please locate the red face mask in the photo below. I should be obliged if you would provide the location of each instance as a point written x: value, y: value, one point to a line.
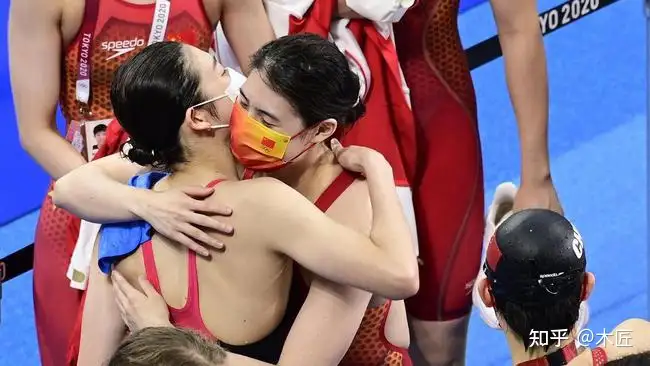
x: 256, y: 146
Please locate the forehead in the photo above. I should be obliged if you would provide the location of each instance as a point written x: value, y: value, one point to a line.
x: 259, y: 93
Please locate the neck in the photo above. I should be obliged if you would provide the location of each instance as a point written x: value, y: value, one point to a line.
x: 202, y: 169
x: 520, y: 355
x: 312, y: 173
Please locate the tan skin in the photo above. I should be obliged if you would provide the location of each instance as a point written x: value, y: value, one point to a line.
x: 42, y: 29
x: 275, y: 225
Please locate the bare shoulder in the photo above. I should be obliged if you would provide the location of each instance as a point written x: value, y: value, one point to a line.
x: 629, y: 337
x: 264, y: 193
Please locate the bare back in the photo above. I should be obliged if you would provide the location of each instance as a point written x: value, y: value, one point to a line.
x: 244, y: 290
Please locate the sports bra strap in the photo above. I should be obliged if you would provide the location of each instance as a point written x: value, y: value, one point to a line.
x: 334, y: 190
x: 598, y: 356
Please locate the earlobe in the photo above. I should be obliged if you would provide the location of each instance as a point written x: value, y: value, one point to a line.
x: 195, y: 119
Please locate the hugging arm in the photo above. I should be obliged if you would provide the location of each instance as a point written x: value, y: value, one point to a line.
x: 98, y: 192
x: 384, y: 263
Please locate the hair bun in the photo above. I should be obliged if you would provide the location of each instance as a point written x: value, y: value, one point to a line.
x: 141, y: 156
x: 357, y: 111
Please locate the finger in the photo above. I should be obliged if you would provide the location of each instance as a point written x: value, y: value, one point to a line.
x: 197, y: 191
x: 336, y: 146
x: 211, y: 208
x: 121, y: 299
x: 125, y: 287
x: 147, y: 287
x: 190, y: 244
x: 197, y: 234
x: 204, y: 221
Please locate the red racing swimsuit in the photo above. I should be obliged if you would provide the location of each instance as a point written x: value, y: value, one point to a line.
x: 120, y: 30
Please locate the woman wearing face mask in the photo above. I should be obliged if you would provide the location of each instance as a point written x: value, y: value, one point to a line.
x: 162, y: 99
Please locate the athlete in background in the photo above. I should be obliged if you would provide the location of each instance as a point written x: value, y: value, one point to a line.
x: 536, y: 280
x: 449, y: 209
x: 65, y: 51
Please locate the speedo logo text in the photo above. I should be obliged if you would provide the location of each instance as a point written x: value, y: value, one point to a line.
x: 121, y: 47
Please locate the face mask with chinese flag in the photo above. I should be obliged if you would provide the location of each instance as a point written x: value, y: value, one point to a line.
x: 256, y: 146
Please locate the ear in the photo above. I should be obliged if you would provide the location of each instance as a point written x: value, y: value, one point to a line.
x: 198, y: 119
x: 484, y: 292
x: 588, y: 282
x: 324, y: 130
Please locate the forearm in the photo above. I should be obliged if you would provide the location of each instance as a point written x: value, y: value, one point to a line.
x: 100, y: 199
x: 390, y: 231
x: 51, y: 151
x: 525, y: 63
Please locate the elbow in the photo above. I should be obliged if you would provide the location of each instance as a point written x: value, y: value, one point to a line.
x: 407, y: 282
x: 61, y: 192
x: 28, y: 140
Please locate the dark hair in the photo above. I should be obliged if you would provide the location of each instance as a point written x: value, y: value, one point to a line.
x: 313, y: 75
x: 640, y: 359
x: 150, y: 95
x: 99, y: 128
x: 523, y: 319
x: 166, y: 346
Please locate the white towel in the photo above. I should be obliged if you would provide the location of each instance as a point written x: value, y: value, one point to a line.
x: 82, y: 255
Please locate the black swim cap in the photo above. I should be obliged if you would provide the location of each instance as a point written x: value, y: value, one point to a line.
x: 534, y: 257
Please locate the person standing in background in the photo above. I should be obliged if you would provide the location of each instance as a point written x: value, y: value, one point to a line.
x: 65, y: 52
x: 448, y: 185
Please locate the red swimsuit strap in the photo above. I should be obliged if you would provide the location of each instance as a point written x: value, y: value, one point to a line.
x: 334, y: 190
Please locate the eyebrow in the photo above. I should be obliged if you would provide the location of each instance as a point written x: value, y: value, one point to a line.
x: 261, y: 111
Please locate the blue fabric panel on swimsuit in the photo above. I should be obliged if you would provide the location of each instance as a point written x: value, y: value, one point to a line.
x: 119, y: 240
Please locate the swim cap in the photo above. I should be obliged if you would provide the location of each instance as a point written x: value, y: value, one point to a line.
x: 535, y: 257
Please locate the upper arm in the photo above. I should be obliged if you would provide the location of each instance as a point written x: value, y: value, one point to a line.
x: 113, y: 167
x: 296, y: 228
x: 35, y: 36
x: 246, y: 27
x: 325, y: 326
x: 102, y: 328
x: 515, y: 16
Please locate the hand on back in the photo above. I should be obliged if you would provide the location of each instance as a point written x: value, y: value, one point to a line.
x: 184, y: 215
